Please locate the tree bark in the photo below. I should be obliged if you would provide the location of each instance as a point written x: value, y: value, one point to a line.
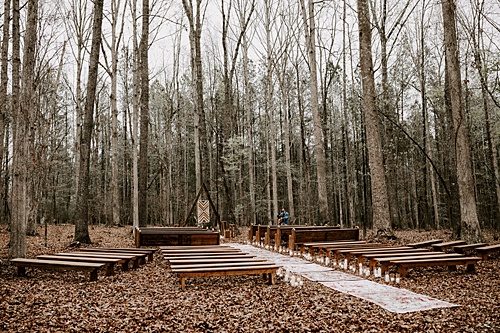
x: 143, y: 165
x: 470, y: 228
x: 21, y: 163
x: 380, y: 201
x: 83, y: 191
x: 319, y: 149
x: 4, y: 105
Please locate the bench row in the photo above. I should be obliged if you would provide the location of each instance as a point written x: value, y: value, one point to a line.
x: 89, y: 260
x: 194, y: 262
x: 292, y: 237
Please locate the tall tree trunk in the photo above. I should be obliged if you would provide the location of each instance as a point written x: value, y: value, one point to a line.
x: 135, y: 117
x: 249, y: 128
x: 476, y: 36
x: 143, y: 169
x: 470, y: 228
x: 114, y: 149
x: 4, y: 105
x: 380, y: 200
x: 319, y: 149
x: 21, y: 164
x: 194, y: 16
x: 83, y: 191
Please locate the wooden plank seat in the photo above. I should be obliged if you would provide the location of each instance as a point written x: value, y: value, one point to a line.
x: 141, y: 257
x: 348, y: 253
x: 283, y: 233
x: 325, y: 249
x: 329, y: 250
x: 209, y: 257
x: 316, y: 246
x: 269, y: 270
x: 108, y: 262
x: 194, y: 247
x: 149, y: 252
x: 404, y: 264
x: 467, y: 247
x: 189, y: 251
x: 128, y: 258
x: 485, y: 251
x: 58, y: 265
x: 301, y: 236
x: 447, y: 245
x: 373, y: 257
x: 204, y: 254
x: 426, y: 243
x: 223, y: 264
x: 386, y: 262
x: 362, y: 256
x: 192, y: 261
x: 160, y: 236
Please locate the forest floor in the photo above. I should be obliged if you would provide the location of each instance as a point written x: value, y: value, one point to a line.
x: 149, y: 299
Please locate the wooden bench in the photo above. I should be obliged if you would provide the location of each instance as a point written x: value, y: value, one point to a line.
x: 245, y: 255
x: 252, y: 231
x: 269, y: 270
x: 283, y: 232
x: 318, y: 246
x: 300, y: 236
x: 108, y: 262
x: 149, y: 252
x: 127, y: 258
x: 205, y: 254
x: 223, y: 264
x: 426, y: 243
x: 161, y: 236
x: 447, y: 245
x: 386, y: 262
x: 348, y: 253
x: 197, y: 261
x: 467, y: 247
x: 328, y: 250
x: 403, y: 265
x: 188, y: 251
x: 364, y: 255
x: 58, y: 265
x: 140, y: 257
x: 485, y: 251
x: 194, y: 247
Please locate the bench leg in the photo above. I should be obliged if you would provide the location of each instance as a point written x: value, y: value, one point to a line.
x: 21, y: 271
x: 272, y: 278
x: 135, y: 263
x: 183, y: 282
x: 110, y: 269
x: 471, y: 268
x: 93, y: 275
x: 125, y: 265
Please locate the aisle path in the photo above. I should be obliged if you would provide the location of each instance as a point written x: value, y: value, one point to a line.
x: 390, y: 298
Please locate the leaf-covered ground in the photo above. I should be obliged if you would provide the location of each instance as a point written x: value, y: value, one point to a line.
x: 149, y: 299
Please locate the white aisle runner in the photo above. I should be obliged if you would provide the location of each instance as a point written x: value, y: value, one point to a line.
x: 390, y: 298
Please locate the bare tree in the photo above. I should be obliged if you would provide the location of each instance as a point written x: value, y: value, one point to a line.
x: 21, y: 163
x: 319, y: 149
x: 144, y: 117
x: 194, y: 15
x: 470, y: 229
x: 380, y: 201
x: 83, y: 190
x: 4, y: 105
